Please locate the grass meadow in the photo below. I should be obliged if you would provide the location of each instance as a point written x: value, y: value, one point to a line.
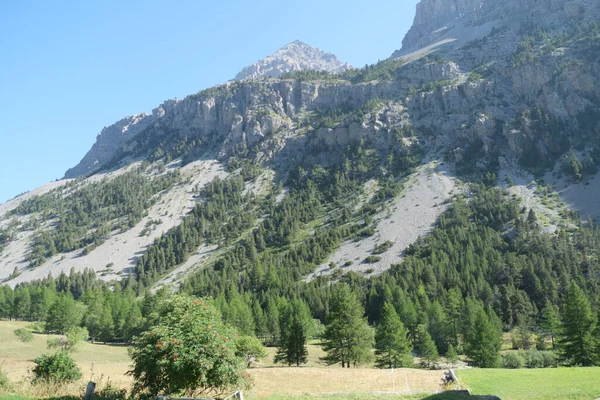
x: 108, y: 364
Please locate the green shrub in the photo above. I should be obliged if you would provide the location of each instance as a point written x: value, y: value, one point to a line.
x: 534, y: 359
x: 372, y: 259
x: 37, y: 327
x: 549, y: 359
x: 249, y: 348
x: 382, y: 248
x: 4, y: 383
x: 513, y: 360
x: 58, y: 367
x: 70, y: 342
x: 189, y: 350
x: 24, y: 335
x: 366, y: 232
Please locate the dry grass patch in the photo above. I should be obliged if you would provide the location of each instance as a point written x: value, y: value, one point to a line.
x: 322, y: 381
x: 95, y: 360
x: 102, y: 363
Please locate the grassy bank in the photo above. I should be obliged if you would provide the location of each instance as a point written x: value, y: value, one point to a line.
x: 531, y: 384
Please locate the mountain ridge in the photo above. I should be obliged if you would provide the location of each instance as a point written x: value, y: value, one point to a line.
x: 514, y: 102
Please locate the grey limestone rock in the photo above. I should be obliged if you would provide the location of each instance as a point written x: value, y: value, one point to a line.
x: 295, y: 56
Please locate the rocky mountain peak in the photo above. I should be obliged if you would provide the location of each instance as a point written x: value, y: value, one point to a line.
x: 294, y: 56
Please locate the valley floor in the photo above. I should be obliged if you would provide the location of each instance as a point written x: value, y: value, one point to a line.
x: 103, y: 363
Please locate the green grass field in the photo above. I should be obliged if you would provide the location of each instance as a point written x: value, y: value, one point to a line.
x: 526, y: 384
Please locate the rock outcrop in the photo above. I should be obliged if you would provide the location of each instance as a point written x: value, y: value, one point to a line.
x: 456, y: 22
x: 294, y: 56
x: 107, y: 143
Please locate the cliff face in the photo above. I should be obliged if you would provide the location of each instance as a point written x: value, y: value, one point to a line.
x: 295, y: 56
x: 467, y: 94
x: 456, y: 22
x: 108, y: 142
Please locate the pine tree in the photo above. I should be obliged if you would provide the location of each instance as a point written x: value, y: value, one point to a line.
x: 348, y: 337
x: 483, y: 341
x: 63, y: 314
x: 292, y: 346
x: 22, y: 304
x: 577, y: 341
x: 240, y: 315
x: 92, y: 318
x: 392, y: 347
x: 409, y: 316
x: 107, y: 325
x: 426, y: 347
x: 451, y: 355
x: 453, y: 308
x: 436, y: 325
x: 272, y: 317
x: 521, y: 336
x: 550, y: 321
x: 260, y: 322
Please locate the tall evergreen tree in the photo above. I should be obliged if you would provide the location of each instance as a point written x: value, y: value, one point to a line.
x: 483, y: 341
x: 292, y: 346
x: 577, y: 340
x: 348, y: 336
x: 64, y: 314
x: 550, y: 321
x: 451, y: 355
x: 392, y: 346
x: 426, y: 347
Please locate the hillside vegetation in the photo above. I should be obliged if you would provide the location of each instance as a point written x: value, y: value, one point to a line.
x: 299, y: 169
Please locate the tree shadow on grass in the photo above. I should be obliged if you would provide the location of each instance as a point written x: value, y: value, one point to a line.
x: 64, y: 398
x: 458, y: 396
x: 17, y: 397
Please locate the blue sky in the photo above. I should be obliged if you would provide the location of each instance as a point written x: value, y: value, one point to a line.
x: 69, y: 68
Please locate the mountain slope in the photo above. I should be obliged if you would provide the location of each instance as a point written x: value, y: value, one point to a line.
x: 516, y: 99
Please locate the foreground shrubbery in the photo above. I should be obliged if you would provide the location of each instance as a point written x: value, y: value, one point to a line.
x: 188, y: 351
x: 58, y: 368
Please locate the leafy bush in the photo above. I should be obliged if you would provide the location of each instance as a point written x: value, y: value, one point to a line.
x: 37, y: 327
x: 189, y: 350
x: 69, y: 342
x: 58, y: 367
x: 24, y: 335
x: 529, y: 359
x: 534, y: 359
x: 549, y: 359
x: 249, y: 348
x: 513, y: 360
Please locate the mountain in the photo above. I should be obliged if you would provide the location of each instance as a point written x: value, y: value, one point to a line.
x: 329, y: 171
x: 295, y: 56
